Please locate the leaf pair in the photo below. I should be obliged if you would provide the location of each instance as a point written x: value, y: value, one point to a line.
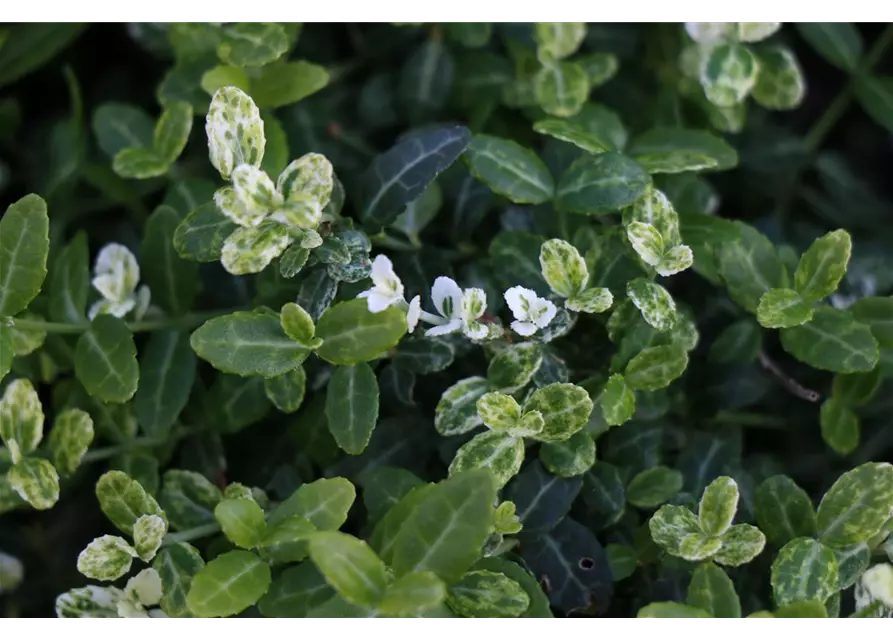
x: 35, y: 479
x: 710, y: 534
x: 566, y: 273
x: 652, y: 227
x: 819, y: 272
x: 168, y: 141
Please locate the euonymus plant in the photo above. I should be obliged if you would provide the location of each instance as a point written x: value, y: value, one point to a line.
x: 446, y: 320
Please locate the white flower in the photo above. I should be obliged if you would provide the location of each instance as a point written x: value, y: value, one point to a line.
x: 447, y: 297
x: 413, y: 313
x: 387, y: 289
x: 116, y: 275
x: 531, y: 312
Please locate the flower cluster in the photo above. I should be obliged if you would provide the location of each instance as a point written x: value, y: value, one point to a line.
x: 116, y: 275
x: 458, y: 310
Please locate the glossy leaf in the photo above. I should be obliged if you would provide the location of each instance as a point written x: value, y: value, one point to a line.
x: 509, y: 169
x: 841, y: 428
x: 565, y: 409
x: 655, y: 367
x: 228, y: 585
x: 837, y: 42
x: 571, y: 457
x: 497, y: 451
x: 718, y: 505
x: 105, y: 360
x: 803, y: 570
x: 780, y: 308
x: 241, y: 520
x: 352, y: 406
x: 833, y: 341
x: 856, y: 506
x: 487, y: 594
x: 784, y: 511
x: 167, y: 371
x: 596, y: 185
x: 70, y: 438
x: 24, y: 245
x: 712, y: 590
x: 352, y: 334
x: 652, y: 487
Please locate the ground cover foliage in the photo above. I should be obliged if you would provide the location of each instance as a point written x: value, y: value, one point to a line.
x: 446, y: 320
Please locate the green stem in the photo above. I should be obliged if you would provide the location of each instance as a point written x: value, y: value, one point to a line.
x: 104, y: 453
x: 189, y: 535
x: 829, y: 119
x: 183, y: 322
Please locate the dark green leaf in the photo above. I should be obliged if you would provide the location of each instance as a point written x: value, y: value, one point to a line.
x: 24, y: 245
x: 172, y: 280
x: 601, y: 184
x: 105, y: 360
x: 352, y: 334
x: 167, y: 370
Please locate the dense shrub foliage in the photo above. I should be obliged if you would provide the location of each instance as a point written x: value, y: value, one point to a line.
x: 446, y: 320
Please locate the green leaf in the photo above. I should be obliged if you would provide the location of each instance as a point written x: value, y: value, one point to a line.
x: 105, y: 360
x: 740, y: 342
x: 228, y: 585
x: 118, y: 126
x: 385, y: 487
x: 565, y: 409
x: 499, y: 411
x: 652, y: 487
x: 856, y: 389
x: 563, y: 268
x: 655, y: 303
x: 456, y: 412
x: 172, y: 280
x: 139, y: 164
x: 497, y: 451
x: 425, y: 80
x: 349, y: 566
x: 286, y: 541
x: 514, y: 366
x: 280, y: 84
x: 424, y: 355
x: 782, y: 308
x: 804, y: 569
x: 596, y: 185
x: 833, y: 341
x: 352, y: 334
x: 841, y: 429
x: 575, y: 134
x: 509, y: 169
x: 30, y: 46
x: 623, y: 561
x: 718, y: 505
x: 36, y: 482
x: 654, y: 368
x: 445, y: 532
x: 252, y: 44
x: 875, y: 95
x: 780, y: 83
x: 750, y: 267
x: 177, y: 564
x: 21, y: 418
x: 70, y: 282
x: 618, y: 401
x: 558, y: 40
x: 561, y: 88
x: 837, y: 42
x: 237, y: 402
x: 401, y: 174
x: 575, y: 563
x: 298, y: 324
x: 487, y: 594
x: 823, y: 266
x: 804, y: 609
x: 201, y: 235
x: 784, y: 511
x: 671, y: 525
x: 167, y: 371
x: 352, y: 406
x: 741, y: 543
x: 123, y: 500
x: 70, y: 438
x: 728, y: 74
x: 857, y: 505
x: 172, y: 131
x: 673, y: 150
x: 6, y: 349
x: 324, y: 502
x: 248, y: 343
x: 242, y: 521
x: 541, y: 498
x: 295, y: 592
x: 24, y: 245
x: 712, y: 590
x: 515, y: 259
x: 571, y: 457
x: 877, y: 313
x: 188, y: 499
x: 671, y: 610
x: 413, y: 594
x: 106, y: 558
x: 235, y: 131
x: 148, y: 534
x: 286, y: 391
x: 852, y: 562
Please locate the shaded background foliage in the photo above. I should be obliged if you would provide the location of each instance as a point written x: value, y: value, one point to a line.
x: 47, y: 146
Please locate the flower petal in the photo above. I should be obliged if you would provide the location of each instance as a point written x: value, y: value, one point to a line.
x: 377, y: 301
x: 523, y: 328
x: 413, y: 313
x: 519, y: 300
x: 545, y: 312
x: 447, y: 297
x: 444, y: 329
x: 117, y: 272
x: 474, y: 304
